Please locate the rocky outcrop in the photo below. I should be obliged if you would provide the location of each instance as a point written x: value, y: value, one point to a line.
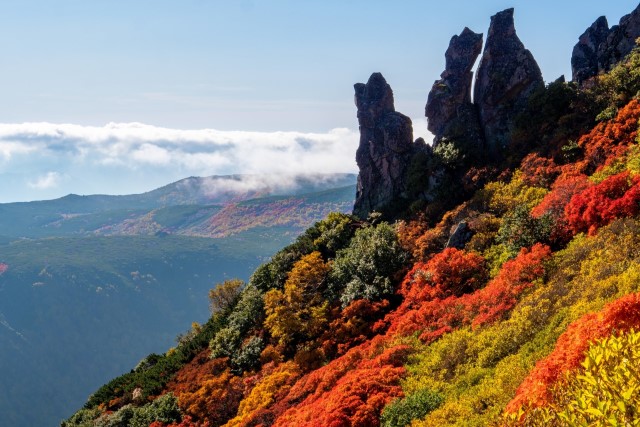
x: 506, y: 77
x: 584, y: 60
x: 600, y: 48
x: 386, y: 148
x: 620, y: 42
x: 450, y: 97
x: 460, y: 236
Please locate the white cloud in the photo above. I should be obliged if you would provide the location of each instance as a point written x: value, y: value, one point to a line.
x: 125, y: 158
x: 193, y: 152
x: 10, y: 148
x: 152, y: 154
x: 46, y: 181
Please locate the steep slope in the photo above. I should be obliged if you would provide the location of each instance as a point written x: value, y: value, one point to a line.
x: 517, y: 306
x: 90, y: 301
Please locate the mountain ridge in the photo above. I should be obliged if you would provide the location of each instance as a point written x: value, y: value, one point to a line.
x: 103, y: 214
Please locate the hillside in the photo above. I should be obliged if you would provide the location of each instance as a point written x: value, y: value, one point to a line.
x: 97, y: 285
x: 186, y: 207
x: 490, y: 278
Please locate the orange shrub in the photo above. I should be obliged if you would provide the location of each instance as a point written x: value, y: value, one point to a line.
x: 620, y: 315
x: 435, y: 314
x: 609, y: 140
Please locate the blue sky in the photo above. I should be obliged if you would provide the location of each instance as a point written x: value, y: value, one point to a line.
x: 252, y: 66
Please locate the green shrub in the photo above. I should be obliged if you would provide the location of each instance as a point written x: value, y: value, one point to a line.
x: 520, y: 230
x: 364, y: 269
x: 401, y: 412
x: 225, y: 343
x: 249, y: 311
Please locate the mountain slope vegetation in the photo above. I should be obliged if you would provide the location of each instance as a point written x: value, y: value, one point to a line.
x: 529, y: 317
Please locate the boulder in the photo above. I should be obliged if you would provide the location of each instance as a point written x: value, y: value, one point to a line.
x: 460, y: 236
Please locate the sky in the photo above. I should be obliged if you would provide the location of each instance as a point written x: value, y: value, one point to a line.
x: 118, y: 97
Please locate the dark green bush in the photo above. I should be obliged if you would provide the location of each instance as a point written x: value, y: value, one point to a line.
x: 401, y: 412
x: 364, y: 269
x: 520, y: 230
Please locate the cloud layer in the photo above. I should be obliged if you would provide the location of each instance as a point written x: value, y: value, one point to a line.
x: 41, y: 160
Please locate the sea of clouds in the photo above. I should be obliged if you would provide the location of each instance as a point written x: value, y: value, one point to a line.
x: 49, y: 160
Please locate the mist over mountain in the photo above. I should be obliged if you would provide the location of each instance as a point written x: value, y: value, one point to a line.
x: 186, y: 207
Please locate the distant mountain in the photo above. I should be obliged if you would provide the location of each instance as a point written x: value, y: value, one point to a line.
x: 183, y: 207
x: 89, y: 285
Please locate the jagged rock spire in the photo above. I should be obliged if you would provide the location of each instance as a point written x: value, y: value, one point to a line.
x: 385, y: 149
x: 506, y: 77
x: 599, y: 48
x: 450, y: 95
x: 584, y: 60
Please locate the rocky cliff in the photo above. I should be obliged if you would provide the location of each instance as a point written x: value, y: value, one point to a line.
x: 449, y: 102
x: 385, y: 149
x: 506, y: 77
x: 477, y: 130
x: 599, y: 48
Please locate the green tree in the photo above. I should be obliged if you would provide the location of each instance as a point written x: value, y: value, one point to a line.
x: 364, y: 269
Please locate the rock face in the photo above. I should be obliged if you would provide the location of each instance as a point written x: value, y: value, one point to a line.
x: 460, y: 236
x: 450, y: 97
x: 601, y: 47
x: 584, y: 60
x: 506, y: 77
x: 385, y: 149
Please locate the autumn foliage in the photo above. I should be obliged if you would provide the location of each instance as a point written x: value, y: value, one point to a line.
x: 620, y: 315
x: 355, y: 324
x: 539, y: 171
x: 610, y: 139
x: 434, y: 313
x: 206, y: 390
x: 350, y: 391
x: 616, y: 197
x: 553, y: 204
x: 452, y: 272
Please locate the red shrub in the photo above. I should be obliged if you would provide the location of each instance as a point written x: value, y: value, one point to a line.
x: 616, y: 197
x: 553, y: 204
x: 350, y: 391
x: 450, y: 272
x: 609, y: 140
x: 354, y: 325
x: 435, y: 314
x: 539, y: 171
x: 618, y: 316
